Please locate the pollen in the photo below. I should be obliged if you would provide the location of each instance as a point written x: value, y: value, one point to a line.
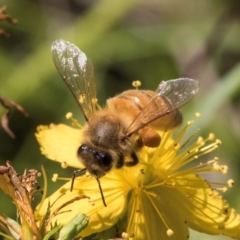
x: 94, y: 101
x: 82, y: 98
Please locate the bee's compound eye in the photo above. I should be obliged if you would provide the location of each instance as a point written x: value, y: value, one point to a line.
x: 104, y: 158
x: 89, y: 154
x: 83, y: 148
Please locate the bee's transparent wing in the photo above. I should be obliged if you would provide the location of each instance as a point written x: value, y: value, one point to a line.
x: 76, y: 71
x: 176, y: 93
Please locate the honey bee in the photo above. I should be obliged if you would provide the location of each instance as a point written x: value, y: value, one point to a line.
x: 128, y: 121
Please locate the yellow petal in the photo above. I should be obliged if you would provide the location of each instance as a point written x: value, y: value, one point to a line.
x: 60, y: 143
x: 101, y: 217
x: 203, y: 208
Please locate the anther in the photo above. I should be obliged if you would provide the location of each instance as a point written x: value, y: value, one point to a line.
x: 64, y: 165
x: 69, y: 115
x: 211, y: 136
x: 136, y: 84
x: 230, y: 183
x: 224, y: 169
x: 224, y: 189
x: 55, y: 177
x: 200, y: 140
x: 125, y: 235
x: 216, y: 166
x: 94, y: 101
x: 197, y: 115
x: 170, y: 232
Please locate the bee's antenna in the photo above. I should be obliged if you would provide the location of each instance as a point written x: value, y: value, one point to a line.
x: 100, y: 189
x: 77, y: 172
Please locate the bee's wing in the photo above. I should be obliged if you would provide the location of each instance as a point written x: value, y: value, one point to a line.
x: 76, y: 71
x: 175, y: 92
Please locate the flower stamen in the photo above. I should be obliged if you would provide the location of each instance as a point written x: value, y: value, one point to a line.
x: 136, y: 84
x: 169, y: 231
x: 75, y: 122
x: 55, y: 177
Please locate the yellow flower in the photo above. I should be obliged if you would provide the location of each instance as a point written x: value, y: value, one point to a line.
x: 160, y: 198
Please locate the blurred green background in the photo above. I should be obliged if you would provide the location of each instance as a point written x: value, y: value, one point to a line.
x: 127, y: 40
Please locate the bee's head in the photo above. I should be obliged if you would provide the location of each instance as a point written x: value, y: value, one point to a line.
x: 96, y: 162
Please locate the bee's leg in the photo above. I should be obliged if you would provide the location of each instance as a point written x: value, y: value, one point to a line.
x: 120, y: 161
x: 134, y: 162
x: 100, y: 189
x: 77, y: 172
